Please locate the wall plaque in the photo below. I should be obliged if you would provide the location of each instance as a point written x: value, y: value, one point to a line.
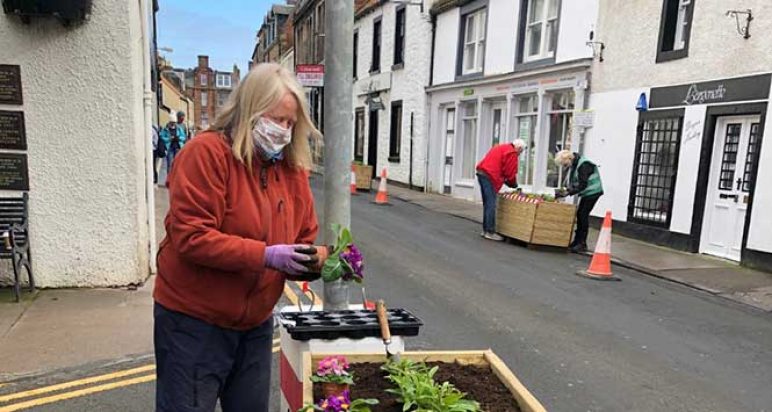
x: 10, y: 84
x: 12, y: 133
x: 13, y: 171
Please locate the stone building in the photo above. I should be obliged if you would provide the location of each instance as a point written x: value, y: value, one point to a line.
x: 308, y: 25
x: 209, y: 90
x: 275, y: 36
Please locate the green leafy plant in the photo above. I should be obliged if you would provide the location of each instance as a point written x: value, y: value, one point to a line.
x: 346, y: 261
x: 419, y: 392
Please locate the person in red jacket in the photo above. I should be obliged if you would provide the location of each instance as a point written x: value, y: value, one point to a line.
x: 240, y: 220
x: 497, y: 168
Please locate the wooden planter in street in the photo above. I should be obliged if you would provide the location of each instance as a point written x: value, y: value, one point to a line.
x: 364, y: 176
x: 524, y: 398
x: 544, y: 223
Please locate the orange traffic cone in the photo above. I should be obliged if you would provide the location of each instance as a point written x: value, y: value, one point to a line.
x: 600, y: 266
x: 382, y: 197
x: 353, y: 181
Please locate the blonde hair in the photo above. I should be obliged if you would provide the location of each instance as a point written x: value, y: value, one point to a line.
x: 263, y: 88
x: 564, y: 158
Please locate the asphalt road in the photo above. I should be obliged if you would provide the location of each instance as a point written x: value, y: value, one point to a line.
x: 642, y: 344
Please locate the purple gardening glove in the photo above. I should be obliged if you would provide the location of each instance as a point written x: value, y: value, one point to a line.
x: 289, y: 259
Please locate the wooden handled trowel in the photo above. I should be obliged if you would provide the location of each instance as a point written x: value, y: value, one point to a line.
x: 383, y: 320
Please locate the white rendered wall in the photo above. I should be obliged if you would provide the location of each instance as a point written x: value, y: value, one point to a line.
x: 688, y: 168
x: 760, y: 236
x: 446, y: 46
x: 501, y: 36
x: 85, y: 132
x: 577, y: 20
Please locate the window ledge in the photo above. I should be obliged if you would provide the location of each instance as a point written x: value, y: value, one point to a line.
x: 394, y: 159
x: 666, y: 56
x: 375, y: 71
x: 469, y: 76
x: 398, y: 66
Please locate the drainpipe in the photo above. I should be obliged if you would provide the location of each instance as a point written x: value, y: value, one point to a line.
x: 147, y: 101
x: 410, y: 178
x: 431, y: 62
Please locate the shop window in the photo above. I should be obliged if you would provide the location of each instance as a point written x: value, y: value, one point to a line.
x: 560, y: 119
x: 675, y: 29
x: 469, y: 143
x: 655, y: 167
x: 359, y: 136
x: 473, y: 42
x: 395, y: 134
x: 527, y: 108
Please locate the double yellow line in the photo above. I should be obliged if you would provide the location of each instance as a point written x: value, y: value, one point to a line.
x: 100, y: 383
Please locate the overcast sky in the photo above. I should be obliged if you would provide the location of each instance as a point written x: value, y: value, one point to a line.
x: 224, y: 30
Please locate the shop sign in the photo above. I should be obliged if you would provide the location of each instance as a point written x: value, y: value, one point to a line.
x: 717, y: 91
x: 310, y: 75
x: 468, y: 92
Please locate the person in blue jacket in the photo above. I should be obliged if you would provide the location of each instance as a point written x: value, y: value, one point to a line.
x: 174, y: 137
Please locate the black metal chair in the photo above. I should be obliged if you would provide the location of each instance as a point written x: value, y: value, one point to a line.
x: 14, y: 221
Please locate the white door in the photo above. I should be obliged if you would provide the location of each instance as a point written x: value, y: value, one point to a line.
x: 497, y: 122
x: 734, y: 151
x: 449, y: 135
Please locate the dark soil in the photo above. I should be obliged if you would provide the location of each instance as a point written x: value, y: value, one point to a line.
x: 479, y: 383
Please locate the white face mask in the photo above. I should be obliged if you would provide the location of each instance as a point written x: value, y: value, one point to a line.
x: 271, y: 137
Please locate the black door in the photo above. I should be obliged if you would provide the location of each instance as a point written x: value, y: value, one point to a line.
x: 372, y: 142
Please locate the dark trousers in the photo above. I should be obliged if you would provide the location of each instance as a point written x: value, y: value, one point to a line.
x: 197, y: 363
x: 583, y: 219
x: 489, y: 203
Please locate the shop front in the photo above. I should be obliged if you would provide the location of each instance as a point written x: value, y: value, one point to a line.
x: 469, y: 118
x: 697, y: 163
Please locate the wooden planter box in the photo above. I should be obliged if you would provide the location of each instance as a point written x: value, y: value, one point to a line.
x: 364, y: 176
x: 546, y: 223
x: 526, y: 401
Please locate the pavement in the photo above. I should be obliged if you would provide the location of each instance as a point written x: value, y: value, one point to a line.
x: 643, y: 344
x: 716, y: 276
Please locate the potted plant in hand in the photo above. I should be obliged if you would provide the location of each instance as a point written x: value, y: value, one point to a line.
x: 334, y: 376
x: 345, y: 264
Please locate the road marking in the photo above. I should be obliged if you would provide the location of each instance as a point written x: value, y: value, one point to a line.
x: 293, y: 298
x: 78, y: 393
x: 79, y: 382
x: 276, y: 349
x: 277, y: 340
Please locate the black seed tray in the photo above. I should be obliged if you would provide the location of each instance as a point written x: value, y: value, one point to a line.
x: 352, y: 324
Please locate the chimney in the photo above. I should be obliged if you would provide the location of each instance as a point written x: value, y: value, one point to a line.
x: 203, y: 62
x: 236, y: 76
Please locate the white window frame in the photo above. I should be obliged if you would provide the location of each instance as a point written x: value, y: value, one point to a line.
x: 224, y: 81
x: 466, y: 120
x: 203, y: 79
x: 545, y: 23
x: 477, y: 43
x: 568, y: 131
x: 204, y: 99
x: 679, y: 42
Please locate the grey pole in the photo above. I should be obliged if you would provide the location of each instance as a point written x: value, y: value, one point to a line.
x: 338, y: 101
x: 338, y: 130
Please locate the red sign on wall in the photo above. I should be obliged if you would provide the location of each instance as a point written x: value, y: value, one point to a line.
x: 310, y: 75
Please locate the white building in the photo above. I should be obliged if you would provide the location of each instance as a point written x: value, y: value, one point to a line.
x: 506, y: 69
x: 88, y: 108
x: 392, y: 55
x: 683, y: 173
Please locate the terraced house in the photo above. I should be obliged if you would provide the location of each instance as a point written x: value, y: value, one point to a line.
x: 392, y: 56
x: 501, y: 70
x: 681, y: 103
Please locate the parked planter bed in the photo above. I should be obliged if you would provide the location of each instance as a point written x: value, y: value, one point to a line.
x: 480, y: 374
x: 364, y: 176
x: 535, y: 221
